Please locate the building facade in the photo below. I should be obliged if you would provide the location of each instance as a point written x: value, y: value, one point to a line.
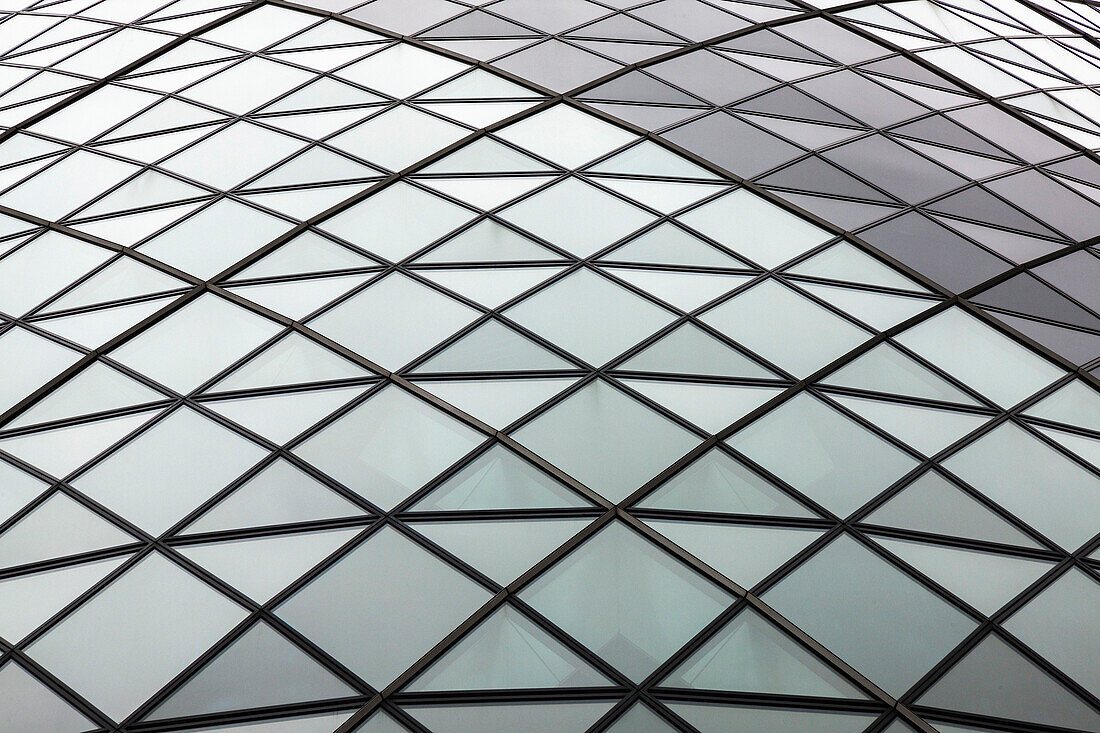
x: 550, y: 365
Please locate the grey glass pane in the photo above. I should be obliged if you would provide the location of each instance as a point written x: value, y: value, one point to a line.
x: 594, y: 592
x: 566, y: 136
x: 260, y: 567
x: 750, y: 655
x: 639, y: 719
x: 502, y: 549
x: 563, y: 312
x: 195, y: 342
x: 979, y: 356
x: 785, y: 328
x: 886, y: 369
x: 57, y: 527
x: 260, y: 668
x: 167, y: 618
x: 279, y: 494
x: 412, y: 596
x: 389, y: 446
x: 530, y: 717
x: 16, y: 489
x: 720, y: 719
x: 27, y: 601
x: 507, y: 651
x: 498, y: 479
x: 821, y: 453
x: 1060, y: 625
x: 690, y: 350
x: 984, y: 580
x: 717, y: 483
x: 994, y: 679
x: 745, y: 555
x: 605, y: 439
x: 897, y: 629
x: 168, y: 470
x: 1033, y: 481
x: 30, y: 706
x: 933, y: 504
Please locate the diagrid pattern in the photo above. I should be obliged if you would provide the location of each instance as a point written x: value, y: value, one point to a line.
x: 354, y: 384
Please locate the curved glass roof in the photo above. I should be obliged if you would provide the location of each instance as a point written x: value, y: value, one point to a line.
x: 588, y: 365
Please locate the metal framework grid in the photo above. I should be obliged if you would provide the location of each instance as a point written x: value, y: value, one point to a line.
x: 1057, y: 437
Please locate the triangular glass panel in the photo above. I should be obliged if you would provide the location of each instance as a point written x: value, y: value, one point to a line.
x: 31, y: 707
x: 476, y: 114
x: 293, y: 359
x: 879, y: 310
x: 823, y: 454
x: 751, y: 655
x: 529, y: 717
x: 607, y: 440
x: 490, y: 287
x: 280, y: 417
x: 26, y: 601
x: 213, y: 454
x: 279, y: 494
x: 1074, y: 404
x: 497, y: 402
x: 488, y: 241
x: 278, y: 673
x: 502, y: 549
x: 744, y: 554
x: 260, y: 567
x: 60, y: 451
x: 596, y: 219
x: 690, y: 350
x: 505, y: 652
x: 926, y: 429
x: 562, y: 313
x: 480, y: 84
x: 306, y: 253
x: 493, y: 347
x: 708, y: 718
x: 650, y: 159
x: 150, y: 188
x: 304, y: 204
x: 710, y: 406
x: 16, y: 490
x: 323, y: 93
x: 123, y: 278
x: 392, y: 337
x: 786, y: 328
x: 379, y: 722
x: 498, y: 479
x: 484, y: 192
x: 717, y: 483
x: 844, y: 262
x: 1085, y: 447
x: 130, y: 229
x: 397, y: 221
x: 98, y: 388
x: 886, y: 369
x: 58, y: 527
x: 663, y: 196
x: 812, y: 135
x: 586, y: 592
x: 95, y: 328
x: 668, y: 244
x: 358, y: 628
x: 485, y: 155
x: 296, y: 299
x: 996, y: 680
x: 389, y: 446
x: 566, y: 135
x: 983, y: 579
x: 684, y: 290
x: 315, y: 165
x: 933, y: 504
x: 318, y: 125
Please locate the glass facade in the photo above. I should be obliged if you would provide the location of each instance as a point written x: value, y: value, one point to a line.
x: 550, y: 365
